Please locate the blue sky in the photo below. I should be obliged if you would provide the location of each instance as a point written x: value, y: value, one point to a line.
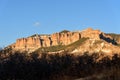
x: 22, y: 18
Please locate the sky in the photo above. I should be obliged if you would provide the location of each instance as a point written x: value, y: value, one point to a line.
x: 22, y: 18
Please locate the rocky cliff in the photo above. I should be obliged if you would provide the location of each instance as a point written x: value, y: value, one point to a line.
x: 37, y: 41
x: 98, y: 41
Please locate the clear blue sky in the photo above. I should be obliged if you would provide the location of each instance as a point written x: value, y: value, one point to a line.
x: 22, y: 18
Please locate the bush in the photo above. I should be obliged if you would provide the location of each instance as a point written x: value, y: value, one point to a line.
x: 19, y: 66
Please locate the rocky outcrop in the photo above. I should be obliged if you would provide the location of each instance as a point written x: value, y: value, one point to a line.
x: 34, y: 42
x: 26, y: 44
x: 90, y: 33
x: 97, y: 46
x: 65, y: 38
x: 62, y: 38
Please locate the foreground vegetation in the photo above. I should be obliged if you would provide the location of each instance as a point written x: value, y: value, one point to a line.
x: 65, y: 66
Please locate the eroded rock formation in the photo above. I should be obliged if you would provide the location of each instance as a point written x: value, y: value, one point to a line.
x: 35, y: 42
x: 62, y: 38
x: 65, y: 38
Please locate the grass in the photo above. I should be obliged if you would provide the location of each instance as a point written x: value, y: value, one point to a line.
x: 51, y: 48
x: 76, y: 44
x: 98, y: 42
x: 69, y: 47
x: 118, y: 45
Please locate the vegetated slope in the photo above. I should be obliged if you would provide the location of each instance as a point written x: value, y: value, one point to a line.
x: 88, y: 40
x: 57, y: 48
x: 76, y: 44
x: 98, y: 46
x: 84, y: 45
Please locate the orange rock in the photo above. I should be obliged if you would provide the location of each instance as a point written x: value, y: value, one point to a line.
x: 37, y: 41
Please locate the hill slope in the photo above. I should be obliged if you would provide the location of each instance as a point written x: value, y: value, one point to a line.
x: 88, y: 40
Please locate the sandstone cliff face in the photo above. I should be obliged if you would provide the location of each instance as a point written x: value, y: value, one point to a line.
x: 90, y: 33
x: 27, y: 43
x: 33, y: 43
x: 65, y: 38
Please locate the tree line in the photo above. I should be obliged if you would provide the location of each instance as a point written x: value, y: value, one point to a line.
x: 65, y: 66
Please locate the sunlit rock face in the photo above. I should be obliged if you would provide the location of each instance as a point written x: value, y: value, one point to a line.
x: 65, y: 38
x: 90, y: 33
x: 33, y: 43
x: 26, y: 44
x: 98, y: 41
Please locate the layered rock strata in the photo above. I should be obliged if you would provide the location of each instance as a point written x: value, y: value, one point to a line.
x: 62, y: 38
x: 32, y: 43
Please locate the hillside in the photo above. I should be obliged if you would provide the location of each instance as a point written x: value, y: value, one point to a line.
x: 82, y: 55
x: 59, y: 48
x: 88, y: 40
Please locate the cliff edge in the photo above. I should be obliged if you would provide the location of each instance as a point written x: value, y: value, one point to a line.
x: 97, y: 41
